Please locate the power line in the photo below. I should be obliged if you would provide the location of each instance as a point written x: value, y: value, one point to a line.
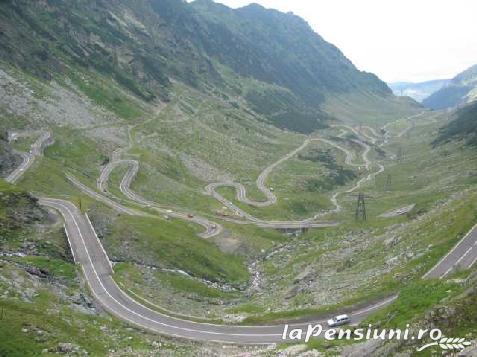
x: 400, y: 154
x: 388, y: 184
x: 360, y: 214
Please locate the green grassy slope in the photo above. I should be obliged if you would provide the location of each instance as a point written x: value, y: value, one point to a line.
x: 460, y: 90
x: 462, y: 127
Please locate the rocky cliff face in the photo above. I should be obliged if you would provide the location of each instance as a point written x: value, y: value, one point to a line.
x: 19, y: 210
x: 8, y: 159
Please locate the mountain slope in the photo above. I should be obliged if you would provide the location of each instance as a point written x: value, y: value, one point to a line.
x: 248, y: 55
x: 463, y: 127
x: 462, y: 89
x: 308, y: 66
x: 140, y: 80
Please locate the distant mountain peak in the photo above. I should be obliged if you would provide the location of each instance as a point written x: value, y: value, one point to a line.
x: 418, y: 90
x: 460, y: 90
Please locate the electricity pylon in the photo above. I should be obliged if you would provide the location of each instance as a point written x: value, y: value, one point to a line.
x: 400, y: 154
x: 360, y: 213
x: 388, y: 184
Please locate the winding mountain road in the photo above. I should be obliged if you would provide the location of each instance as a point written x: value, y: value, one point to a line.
x: 105, y: 200
x: 88, y: 252
x: 29, y: 158
x: 90, y: 255
x: 211, y: 228
x: 373, y: 138
x: 387, y: 133
x: 462, y: 256
x: 411, y: 124
x: 241, y: 192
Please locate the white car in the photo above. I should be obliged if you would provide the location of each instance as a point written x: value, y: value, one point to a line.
x: 339, y: 320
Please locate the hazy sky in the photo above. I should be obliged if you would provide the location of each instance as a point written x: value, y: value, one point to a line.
x: 399, y: 40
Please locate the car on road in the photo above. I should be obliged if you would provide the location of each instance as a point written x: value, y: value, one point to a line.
x: 339, y: 320
x: 190, y: 216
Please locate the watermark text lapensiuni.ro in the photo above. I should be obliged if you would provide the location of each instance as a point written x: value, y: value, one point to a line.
x: 428, y: 337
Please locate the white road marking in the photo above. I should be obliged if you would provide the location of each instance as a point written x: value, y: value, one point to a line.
x: 69, y: 242
x: 133, y: 312
x: 60, y: 203
x: 455, y: 265
x: 99, y: 243
x: 451, y: 251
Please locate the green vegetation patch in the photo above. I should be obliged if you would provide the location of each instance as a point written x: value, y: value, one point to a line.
x: 337, y: 174
x: 56, y: 267
x: 26, y: 329
x: 173, y: 245
x: 106, y: 95
x: 414, y: 300
x: 179, y: 283
x: 464, y: 126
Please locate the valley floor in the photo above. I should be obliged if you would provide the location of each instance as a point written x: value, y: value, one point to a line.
x: 241, y: 272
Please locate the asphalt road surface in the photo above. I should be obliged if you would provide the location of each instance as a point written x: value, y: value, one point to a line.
x: 89, y: 253
x: 28, y: 158
x: 241, y: 193
x: 240, y: 216
x: 462, y: 256
x: 211, y: 228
